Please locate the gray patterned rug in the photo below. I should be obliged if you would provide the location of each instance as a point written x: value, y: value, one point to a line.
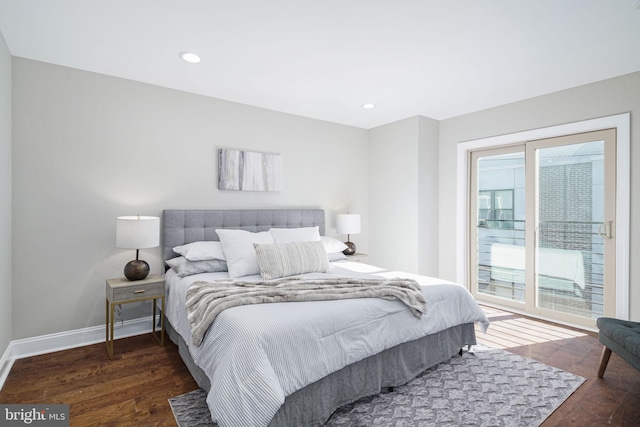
x: 484, y: 387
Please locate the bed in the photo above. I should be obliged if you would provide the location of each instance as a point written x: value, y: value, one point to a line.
x: 294, y: 363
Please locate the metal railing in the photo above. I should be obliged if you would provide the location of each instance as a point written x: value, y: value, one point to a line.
x: 560, y: 293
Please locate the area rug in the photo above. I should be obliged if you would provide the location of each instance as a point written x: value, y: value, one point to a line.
x: 483, y: 387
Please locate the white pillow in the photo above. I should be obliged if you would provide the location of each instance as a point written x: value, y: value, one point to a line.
x: 289, y: 259
x: 187, y: 268
x: 302, y: 234
x: 175, y: 262
x: 184, y: 267
x: 333, y: 245
x: 336, y: 256
x: 200, y: 251
x: 237, y: 246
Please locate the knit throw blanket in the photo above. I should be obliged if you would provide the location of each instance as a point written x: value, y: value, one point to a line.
x: 205, y: 300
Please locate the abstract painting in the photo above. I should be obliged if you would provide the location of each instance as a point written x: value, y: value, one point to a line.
x: 249, y: 171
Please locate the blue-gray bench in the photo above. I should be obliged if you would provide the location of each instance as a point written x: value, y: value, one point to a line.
x: 622, y: 337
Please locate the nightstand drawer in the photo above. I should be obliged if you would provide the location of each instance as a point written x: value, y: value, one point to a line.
x: 358, y: 257
x: 121, y: 289
x: 137, y: 291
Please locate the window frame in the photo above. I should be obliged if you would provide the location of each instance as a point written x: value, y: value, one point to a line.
x: 622, y: 124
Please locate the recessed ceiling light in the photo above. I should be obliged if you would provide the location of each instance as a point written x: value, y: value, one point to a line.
x: 190, y: 57
x: 368, y: 106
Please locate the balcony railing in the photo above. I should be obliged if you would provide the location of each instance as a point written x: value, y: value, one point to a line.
x: 569, y: 257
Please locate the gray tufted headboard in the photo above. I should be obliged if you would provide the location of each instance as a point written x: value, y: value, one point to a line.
x: 180, y: 227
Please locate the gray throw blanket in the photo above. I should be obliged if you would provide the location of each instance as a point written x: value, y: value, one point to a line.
x: 205, y: 300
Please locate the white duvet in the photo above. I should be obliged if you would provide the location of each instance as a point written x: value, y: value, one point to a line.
x: 256, y: 355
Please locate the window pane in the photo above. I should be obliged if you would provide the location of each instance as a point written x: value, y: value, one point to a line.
x: 500, y: 226
x: 569, y: 253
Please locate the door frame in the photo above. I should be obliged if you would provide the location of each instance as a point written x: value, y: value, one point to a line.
x: 622, y: 124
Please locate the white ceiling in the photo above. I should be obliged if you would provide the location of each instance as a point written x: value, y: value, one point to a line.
x: 325, y: 58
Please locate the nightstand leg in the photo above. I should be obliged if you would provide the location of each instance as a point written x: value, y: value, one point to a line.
x: 109, y: 327
x: 153, y: 326
x: 162, y: 324
x: 153, y: 330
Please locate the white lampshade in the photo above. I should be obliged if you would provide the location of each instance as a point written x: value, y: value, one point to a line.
x: 137, y: 232
x: 348, y: 223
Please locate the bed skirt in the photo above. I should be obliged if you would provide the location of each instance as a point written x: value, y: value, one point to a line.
x: 313, y: 405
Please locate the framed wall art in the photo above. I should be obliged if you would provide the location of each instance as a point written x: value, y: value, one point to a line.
x: 249, y: 170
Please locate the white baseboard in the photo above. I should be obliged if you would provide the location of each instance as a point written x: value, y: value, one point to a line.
x: 6, y: 362
x: 43, y: 344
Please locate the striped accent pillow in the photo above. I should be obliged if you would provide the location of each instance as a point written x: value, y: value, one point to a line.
x: 288, y: 259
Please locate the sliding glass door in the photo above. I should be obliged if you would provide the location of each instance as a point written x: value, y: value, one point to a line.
x: 499, y: 223
x: 542, y: 226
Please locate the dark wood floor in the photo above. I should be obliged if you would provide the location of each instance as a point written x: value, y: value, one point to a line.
x: 613, y: 400
x: 132, y: 390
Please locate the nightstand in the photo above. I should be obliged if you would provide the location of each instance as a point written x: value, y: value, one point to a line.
x: 124, y: 291
x: 358, y: 257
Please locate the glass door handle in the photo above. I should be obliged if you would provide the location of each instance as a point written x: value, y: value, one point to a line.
x: 604, y: 230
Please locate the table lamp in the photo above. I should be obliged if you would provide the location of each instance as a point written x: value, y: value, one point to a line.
x: 348, y: 224
x: 137, y: 232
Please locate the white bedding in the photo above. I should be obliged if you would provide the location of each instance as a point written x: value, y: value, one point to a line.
x: 256, y: 355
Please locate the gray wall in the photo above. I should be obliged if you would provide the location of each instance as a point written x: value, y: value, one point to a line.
x: 393, y: 195
x: 403, y: 192
x: 605, y: 98
x: 5, y: 196
x: 428, y: 227
x: 88, y: 148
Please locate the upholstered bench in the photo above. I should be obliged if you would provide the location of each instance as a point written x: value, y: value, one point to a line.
x: 621, y: 337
